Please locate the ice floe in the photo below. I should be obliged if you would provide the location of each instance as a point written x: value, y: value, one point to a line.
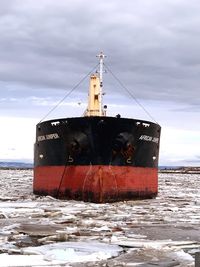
x: 43, y: 231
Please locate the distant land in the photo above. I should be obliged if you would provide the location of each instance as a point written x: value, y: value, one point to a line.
x: 182, y: 170
x: 162, y: 169
x: 15, y: 165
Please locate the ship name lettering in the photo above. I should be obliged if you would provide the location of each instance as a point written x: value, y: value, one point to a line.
x: 146, y: 138
x: 48, y: 137
x: 149, y: 138
x: 52, y: 136
x: 41, y: 138
x: 155, y: 140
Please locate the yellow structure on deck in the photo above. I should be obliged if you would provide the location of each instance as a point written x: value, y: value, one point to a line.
x: 94, y: 98
x: 95, y: 92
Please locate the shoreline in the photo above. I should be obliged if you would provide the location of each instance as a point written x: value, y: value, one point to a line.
x: 182, y: 170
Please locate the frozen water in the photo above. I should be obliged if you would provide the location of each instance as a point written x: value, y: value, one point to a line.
x: 43, y: 231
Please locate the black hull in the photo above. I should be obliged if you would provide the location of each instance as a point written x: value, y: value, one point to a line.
x: 96, y: 159
x: 97, y: 141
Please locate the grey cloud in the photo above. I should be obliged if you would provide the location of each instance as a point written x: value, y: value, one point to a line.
x: 152, y: 46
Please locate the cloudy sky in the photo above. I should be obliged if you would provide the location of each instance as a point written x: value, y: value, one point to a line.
x: 152, y: 46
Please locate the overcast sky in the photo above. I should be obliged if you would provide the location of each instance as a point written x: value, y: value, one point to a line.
x: 152, y: 46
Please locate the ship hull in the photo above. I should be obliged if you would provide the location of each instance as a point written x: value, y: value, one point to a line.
x: 97, y: 183
x: 96, y: 159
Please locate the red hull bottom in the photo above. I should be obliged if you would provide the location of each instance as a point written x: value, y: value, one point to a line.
x: 96, y: 183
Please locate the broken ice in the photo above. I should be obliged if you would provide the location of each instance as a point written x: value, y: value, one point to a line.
x: 43, y: 231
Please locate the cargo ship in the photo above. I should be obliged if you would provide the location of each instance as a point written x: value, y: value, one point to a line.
x: 96, y: 158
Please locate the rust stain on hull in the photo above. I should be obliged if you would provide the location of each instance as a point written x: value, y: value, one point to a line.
x: 96, y: 183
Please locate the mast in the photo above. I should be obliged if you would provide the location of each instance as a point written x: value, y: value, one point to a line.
x: 95, y: 107
x: 101, y: 57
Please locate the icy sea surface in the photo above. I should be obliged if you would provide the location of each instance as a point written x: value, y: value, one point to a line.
x: 43, y: 231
